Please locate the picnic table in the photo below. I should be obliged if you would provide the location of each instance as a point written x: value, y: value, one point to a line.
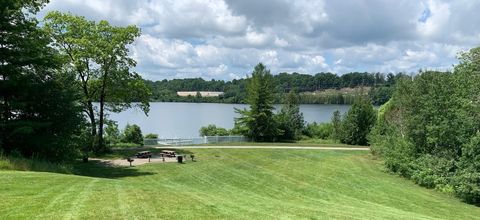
x: 168, y: 153
x: 144, y: 154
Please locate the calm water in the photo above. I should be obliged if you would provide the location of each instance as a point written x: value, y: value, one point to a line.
x: 183, y: 120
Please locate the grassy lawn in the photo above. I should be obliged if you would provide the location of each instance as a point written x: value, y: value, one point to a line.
x: 304, y: 143
x: 229, y: 183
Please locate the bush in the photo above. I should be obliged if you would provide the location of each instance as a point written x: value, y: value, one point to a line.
x: 151, y: 136
x: 433, y: 172
x: 322, y: 130
x: 428, y: 131
x: 467, y: 178
x: 213, y: 130
x: 398, y: 155
x: 133, y: 134
x: 112, y: 133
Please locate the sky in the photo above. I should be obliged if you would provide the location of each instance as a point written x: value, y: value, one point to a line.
x: 225, y: 39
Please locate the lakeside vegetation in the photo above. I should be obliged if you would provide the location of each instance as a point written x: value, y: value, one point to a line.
x: 321, y: 88
x: 259, y: 122
x: 429, y: 130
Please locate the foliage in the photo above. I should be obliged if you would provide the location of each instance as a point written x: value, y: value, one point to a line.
x: 124, y: 145
x: 38, y: 114
x: 213, y: 130
x: 336, y: 125
x: 112, y: 133
x: 132, y: 134
x: 381, y: 94
x: 258, y: 120
x: 151, y: 136
x: 467, y: 178
x: 96, y: 54
x: 428, y: 131
x: 290, y: 119
x: 322, y: 130
x: 358, y: 122
x: 321, y: 88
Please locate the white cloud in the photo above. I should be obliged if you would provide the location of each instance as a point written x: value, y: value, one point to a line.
x: 439, y: 16
x: 224, y: 39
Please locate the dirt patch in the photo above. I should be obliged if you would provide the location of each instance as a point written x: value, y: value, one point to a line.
x: 137, y: 161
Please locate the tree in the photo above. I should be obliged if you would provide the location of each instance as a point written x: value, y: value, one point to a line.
x: 38, y: 115
x: 428, y: 131
x: 133, y: 134
x: 258, y: 122
x: 358, y: 122
x: 213, y: 130
x: 112, y: 133
x: 97, y: 54
x: 337, y: 125
x: 151, y: 136
x: 290, y: 119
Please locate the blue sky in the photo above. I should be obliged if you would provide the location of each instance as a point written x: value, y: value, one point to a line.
x: 224, y: 39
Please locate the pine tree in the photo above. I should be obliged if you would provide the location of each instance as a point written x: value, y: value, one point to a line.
x: 258, y: 122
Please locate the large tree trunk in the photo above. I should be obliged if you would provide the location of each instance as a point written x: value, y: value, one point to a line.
x: 93, y: 123
x: 100, y: 141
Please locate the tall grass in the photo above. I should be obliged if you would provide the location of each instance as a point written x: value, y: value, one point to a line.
x: 32, y: 164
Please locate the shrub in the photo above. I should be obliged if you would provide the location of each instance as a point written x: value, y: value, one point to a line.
x: 133, y: 134
x: 213, y: 130
x: 432, y: 172
x: 151, y: 136
x: 322, y: 130
x: 467, y: 178
x: 112, y: 133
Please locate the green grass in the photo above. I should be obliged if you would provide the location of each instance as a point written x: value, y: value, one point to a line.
x: 302, y: 143
x: 229, y: 184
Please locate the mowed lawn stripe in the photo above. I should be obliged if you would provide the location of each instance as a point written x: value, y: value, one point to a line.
x: 240, y: 184
x: 40, y: 188
x: 78, y: 201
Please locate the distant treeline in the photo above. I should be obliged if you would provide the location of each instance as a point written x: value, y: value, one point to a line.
x: 378, y: 87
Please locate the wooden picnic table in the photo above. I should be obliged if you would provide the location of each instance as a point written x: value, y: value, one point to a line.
x: 168, y: 153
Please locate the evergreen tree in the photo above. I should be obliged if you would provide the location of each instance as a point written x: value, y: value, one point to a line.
x: 258, y: 121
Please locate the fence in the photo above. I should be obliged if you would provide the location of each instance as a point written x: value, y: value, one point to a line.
x: 196, y: 140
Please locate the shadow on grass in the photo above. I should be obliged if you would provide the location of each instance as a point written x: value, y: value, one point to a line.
x: 93, y: 168
x: 124, y: 153
x: 101, y: 169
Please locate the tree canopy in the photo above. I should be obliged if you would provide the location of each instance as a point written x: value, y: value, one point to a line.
x: 96, y: 53
x: 39, y: 116
x: 258, y: 120
x: 428, y: 131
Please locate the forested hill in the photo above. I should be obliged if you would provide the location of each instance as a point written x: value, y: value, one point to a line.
x: 321, y: 88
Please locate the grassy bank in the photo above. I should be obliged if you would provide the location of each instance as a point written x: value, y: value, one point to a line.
x: 304, y: 143
x: 229, y: 183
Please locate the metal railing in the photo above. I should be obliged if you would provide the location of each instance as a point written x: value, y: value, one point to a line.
x: 196, y: 140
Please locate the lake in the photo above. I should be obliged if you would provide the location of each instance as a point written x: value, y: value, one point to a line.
x: 183, y: 120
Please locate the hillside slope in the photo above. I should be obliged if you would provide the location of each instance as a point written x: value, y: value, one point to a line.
x: 230, y: 183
